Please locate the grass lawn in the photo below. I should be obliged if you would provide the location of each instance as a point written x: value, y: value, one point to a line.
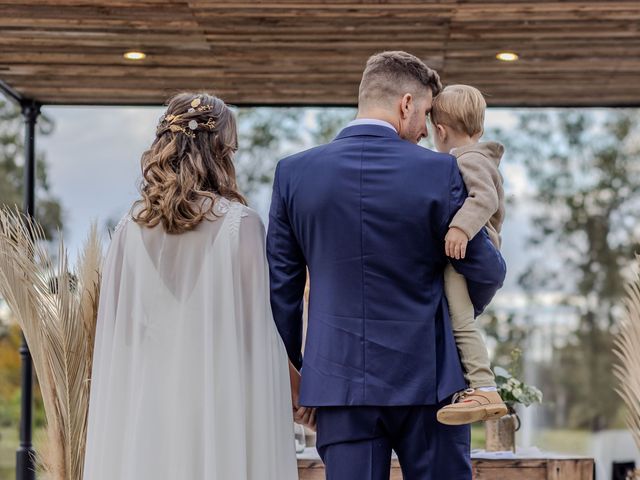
x: 8, y: 447
x: 564, y: 441
x: 557, y: 441
x: 477, y: 436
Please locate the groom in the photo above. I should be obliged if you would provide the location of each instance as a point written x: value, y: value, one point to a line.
x: 368, y: 213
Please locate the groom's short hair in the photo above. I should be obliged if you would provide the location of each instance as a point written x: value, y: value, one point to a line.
x: 392, y: 74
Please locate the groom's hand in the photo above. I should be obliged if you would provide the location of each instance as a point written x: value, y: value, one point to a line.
x: 306, y: 416
x: 303, y: 415
x: 455, y: 243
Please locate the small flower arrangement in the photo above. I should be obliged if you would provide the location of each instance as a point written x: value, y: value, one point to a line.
x: 512, y: 390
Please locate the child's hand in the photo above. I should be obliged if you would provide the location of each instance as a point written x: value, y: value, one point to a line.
x: 455, y: 243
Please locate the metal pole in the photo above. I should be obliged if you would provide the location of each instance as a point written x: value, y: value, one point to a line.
x: 25, y: 462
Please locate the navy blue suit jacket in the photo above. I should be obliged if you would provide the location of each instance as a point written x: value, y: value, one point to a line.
x: 368, y: 213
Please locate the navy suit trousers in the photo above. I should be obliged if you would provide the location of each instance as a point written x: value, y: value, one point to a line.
x: 355, y: 443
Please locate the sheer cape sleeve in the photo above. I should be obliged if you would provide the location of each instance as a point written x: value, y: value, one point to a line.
x: 190, y: 376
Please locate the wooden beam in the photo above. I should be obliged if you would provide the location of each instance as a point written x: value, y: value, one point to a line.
x: 291, y: 51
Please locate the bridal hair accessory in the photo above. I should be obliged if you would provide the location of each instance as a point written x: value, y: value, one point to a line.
x: 171, y: 122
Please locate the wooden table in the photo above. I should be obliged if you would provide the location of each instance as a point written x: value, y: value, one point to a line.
x: 551, y: 467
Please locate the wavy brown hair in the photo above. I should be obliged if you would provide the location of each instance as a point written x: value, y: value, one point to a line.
x: 189, y: 164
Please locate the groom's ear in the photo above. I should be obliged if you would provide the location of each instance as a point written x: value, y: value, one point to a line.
x: 405, y: 105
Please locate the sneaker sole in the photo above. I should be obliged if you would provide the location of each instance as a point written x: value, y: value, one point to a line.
x: 457, y: 416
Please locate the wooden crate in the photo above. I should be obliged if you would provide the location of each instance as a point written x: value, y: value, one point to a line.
x: 485, y: 469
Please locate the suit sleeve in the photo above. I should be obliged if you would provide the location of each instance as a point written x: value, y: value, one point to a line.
x: 483, y: 267
x: 287, y: 274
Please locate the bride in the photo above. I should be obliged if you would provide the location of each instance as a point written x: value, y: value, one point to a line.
x: 190, y: 378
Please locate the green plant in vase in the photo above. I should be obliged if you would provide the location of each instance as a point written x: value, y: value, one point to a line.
x: 513, y: 390
x: 500, y: 434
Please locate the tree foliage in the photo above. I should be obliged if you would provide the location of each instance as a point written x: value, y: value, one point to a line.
x: 266, y: 135
x: 584, y: 167
x: 49, y: 214
x: 48, y: 207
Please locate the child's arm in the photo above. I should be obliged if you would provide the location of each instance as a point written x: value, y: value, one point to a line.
x: 483, y: 267
x: 480, y: 175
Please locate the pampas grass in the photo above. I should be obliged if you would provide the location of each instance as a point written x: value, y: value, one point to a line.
x: 627, y: 350
x: 56, y: 309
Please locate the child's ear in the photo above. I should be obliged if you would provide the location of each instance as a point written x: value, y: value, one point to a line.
x: 441, y: 132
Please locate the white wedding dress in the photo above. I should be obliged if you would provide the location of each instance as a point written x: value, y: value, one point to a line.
x: 190, y: 378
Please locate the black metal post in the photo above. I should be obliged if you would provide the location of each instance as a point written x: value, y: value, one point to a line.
x: 25, y: 463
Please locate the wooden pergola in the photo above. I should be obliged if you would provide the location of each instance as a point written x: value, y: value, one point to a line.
x: 290, y: 52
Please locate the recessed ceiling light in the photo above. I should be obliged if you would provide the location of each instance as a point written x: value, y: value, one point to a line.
x: 507, y: 56
x: 134, y: 55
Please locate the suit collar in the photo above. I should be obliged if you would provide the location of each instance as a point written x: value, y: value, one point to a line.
x: 367, y: 130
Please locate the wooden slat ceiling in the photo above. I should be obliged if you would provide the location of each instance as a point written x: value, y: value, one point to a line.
x: 313, y: 52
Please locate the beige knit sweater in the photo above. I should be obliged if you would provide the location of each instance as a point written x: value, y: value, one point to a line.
x: 485, y: 204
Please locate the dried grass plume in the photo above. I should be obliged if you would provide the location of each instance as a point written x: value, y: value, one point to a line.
x: 627, y: 350
x: 56, y: 307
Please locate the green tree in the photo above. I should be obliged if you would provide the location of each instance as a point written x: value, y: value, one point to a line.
x: 509, y: 333
x: 48, y: 208
x: 584, y: 166
x: 329, y: 121
x: 265, y: 135
x: 10, y: 378
x: 268, y: 134
x: 49, y: 214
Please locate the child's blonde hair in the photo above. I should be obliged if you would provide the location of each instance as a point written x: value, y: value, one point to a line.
x: 460, y: 107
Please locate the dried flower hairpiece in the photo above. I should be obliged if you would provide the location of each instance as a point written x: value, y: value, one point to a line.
x: 193, y: 125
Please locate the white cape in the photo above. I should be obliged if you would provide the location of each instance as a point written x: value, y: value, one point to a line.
x: 190, y: 377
